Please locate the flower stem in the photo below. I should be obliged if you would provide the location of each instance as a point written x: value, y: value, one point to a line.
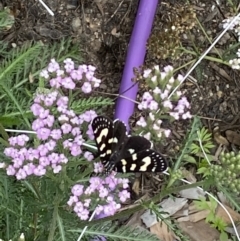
x: 54, y: 221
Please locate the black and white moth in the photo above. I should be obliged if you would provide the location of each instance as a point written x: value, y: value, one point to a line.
x: 123, y: 153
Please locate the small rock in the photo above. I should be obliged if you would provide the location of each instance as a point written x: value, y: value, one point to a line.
x: 76, y: 24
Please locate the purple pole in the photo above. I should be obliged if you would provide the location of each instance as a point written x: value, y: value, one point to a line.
x: 135, y: 58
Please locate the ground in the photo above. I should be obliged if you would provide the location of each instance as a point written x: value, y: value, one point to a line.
x: 103, y: 28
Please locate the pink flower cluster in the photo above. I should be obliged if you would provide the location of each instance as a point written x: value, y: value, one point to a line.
x: 69, y: 76
x: 108, y: 192
x: 32, y: 161
x: 59, y: 136
x: 56, y: 121
x: 158, y: 104
x: 56, y: 125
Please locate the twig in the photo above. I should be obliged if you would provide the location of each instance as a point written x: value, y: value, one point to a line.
x: 115, y: 11
x: 85, y: 228
x: 203, y: 55
x: 47, y: 8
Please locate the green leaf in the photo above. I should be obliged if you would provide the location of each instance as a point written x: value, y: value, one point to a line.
x: 189, y: 159
x: 203, y: 170
x: 81, y: 105
x: 223, y: 236
x: 115, y: 232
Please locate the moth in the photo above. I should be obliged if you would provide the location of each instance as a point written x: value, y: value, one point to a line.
x: 123, y: 153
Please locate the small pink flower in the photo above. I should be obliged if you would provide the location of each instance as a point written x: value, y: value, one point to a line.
x: 187, y: 115
x: 90, y: 132
x: 147, y: 136
x: 157, y: 90
x: 66, y: 128
x: 54, y: 158
x: 174, y: 115
x: 56, y: 168
x: 76, y: 131
x: 43, y: 113
x: 153, y: 105
x: 103, y: 192
x: 56, y: 82
x: 69, y: 65
x: 56, y: 134
x: 21, y: 174
x: 32, y: 154
x: 43, y: 133
x: 44, y: 161
x: 98, y: 167
x: 44, y: 74
x: 36, y: 109
x: 37, y: 124
x: 84, y: 214
x: 78, y: 207
x: 75, y: 150
x: 28, y: 168
x: 10, y: 170
x: 154, y: 79
x: 53, y: 66
x: 17, y: 163
x: 124, y: 195
x: 168, y: 104
x: 164, y: 95
x: 124, y: 182
x: 39, y: 171
x: 141, y: 122
x: 86, y: 87
x: 146, y: 73
x: 72, y: 200
x: 62, y: 101
x: 12, y: 141
x: 77, y: 190
x: 87, y: 202
x: 49, y: 121
x: 167, y: 132
x: 63, y: 118
x: 76, y: 75
x: 88, y: 155
x: 68, y: 83
x: 43, y: 150
x: 63, y: 159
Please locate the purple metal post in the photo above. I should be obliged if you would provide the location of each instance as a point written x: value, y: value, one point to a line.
x: 135, y: 58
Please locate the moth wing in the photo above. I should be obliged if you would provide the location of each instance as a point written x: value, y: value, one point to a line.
x: 103, y: 132
x: 146, y: 160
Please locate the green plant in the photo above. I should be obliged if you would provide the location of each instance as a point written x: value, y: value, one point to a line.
x: 227, y: 173
x: 211, y: 218
x: 6, y: 19
x: 18, y: 79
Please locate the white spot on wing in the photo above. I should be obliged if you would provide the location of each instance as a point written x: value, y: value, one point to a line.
x: 134, y: 157
x: 104, y: 132
x: 113, y: 140
x: 131, y: 151
x: 101, y: 148
x: 147, y: 161
x: 124, y: 162
x: 133, y: 167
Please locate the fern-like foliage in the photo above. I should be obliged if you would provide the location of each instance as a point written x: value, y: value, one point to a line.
x: 206, y: 140
x: 114, y: 232
x: 6, y: 19
x: 3, y: 49
x: 84, y: 104
x: 18, y: 60
x: 186, y: 149
x: 19, y: 72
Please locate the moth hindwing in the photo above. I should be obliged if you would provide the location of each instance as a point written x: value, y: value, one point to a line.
x: 123, y: 153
